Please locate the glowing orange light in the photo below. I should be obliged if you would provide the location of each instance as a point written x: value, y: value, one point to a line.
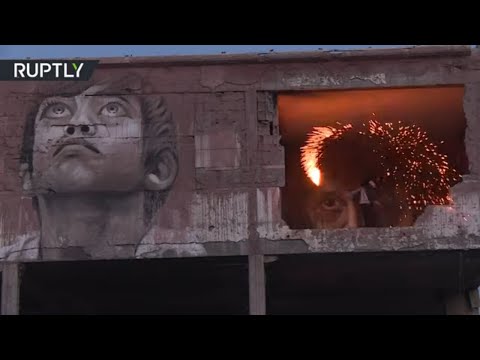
x: 310, y: 153
x: 315, y: 175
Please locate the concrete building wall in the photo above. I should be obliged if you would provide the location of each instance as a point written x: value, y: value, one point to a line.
x: 194, y: 165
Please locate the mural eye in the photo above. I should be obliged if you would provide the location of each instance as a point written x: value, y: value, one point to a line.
x: 331, y: 204
x: 113, y: 109
x: 57, y: 110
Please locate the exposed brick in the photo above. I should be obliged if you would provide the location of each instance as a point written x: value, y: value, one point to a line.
x: 223, y: 179
x: 262, y: 115
x: 274, y: 156
x: 267, y: 141
x: 217, y: 158
x: 264, y: 130
x: 261, y: 106
x: 220, y: 110
x: 272, y: 176
x: 223, y: 139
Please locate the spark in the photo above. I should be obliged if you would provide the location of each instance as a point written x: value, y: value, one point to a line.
x: 310, y: 152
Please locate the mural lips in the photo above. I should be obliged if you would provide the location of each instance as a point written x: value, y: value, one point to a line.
x: 75, y: 144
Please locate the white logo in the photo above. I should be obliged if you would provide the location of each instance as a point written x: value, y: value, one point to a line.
x: 39, y: 70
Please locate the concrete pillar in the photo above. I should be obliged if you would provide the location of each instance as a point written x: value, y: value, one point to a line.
x: 10, y: 288
x: 256, y: 272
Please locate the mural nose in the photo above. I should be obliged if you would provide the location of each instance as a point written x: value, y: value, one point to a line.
x: 70, y: 130
x: 88, y: 130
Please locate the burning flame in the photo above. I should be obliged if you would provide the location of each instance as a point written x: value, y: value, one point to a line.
x: 310, y: 153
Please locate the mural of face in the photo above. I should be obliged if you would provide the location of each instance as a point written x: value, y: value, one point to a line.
x: 96, y: 142
x: 99, y: 165
x: 88, y: 143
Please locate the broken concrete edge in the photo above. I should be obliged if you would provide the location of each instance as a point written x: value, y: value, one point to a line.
x: 267, y: 247
x: 132, y: 252
x: 365, y: 240
x: 420, y: 51
x: 301, y: 246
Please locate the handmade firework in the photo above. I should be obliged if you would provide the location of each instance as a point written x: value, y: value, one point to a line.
x: 397, y: 157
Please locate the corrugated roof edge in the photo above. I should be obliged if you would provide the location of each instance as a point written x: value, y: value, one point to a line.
x: 423, y: 51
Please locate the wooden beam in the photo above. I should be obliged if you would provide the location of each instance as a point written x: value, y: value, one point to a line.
x: 256, y: 271
x: 10, y: 289
x: 422, y: 51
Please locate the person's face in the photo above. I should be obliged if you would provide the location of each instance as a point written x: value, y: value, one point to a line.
x: 88, y: 143
x: 330, y: 207
x: 335, y: 206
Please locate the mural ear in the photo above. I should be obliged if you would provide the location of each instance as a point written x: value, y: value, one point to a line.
x: 165, y: 174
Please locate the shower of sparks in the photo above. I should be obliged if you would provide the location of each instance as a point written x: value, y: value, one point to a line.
x: 310, y: 152
x: 408, y: 161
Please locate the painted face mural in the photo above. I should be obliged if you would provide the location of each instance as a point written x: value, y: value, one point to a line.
x: 99, y: 165
x: 94, y: 142
x: 81, y: 141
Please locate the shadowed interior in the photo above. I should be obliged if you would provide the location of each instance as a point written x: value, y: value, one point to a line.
x: 401, y: 283
x: 204, y: 286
